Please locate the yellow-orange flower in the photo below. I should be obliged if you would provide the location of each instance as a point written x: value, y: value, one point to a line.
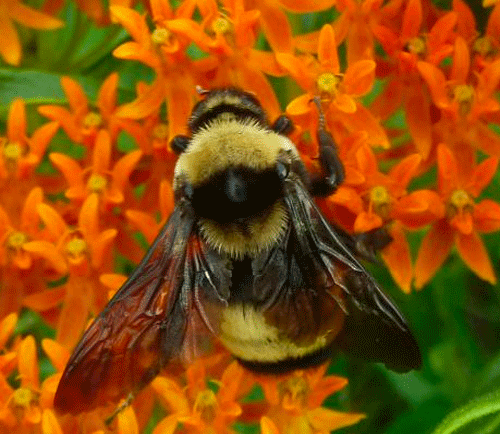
x: 295, y: 403
x: 463, y: 220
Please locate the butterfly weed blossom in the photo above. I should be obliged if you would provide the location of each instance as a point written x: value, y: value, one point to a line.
x: 66, y: 216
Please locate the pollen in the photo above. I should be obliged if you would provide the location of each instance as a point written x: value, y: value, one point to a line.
x: 23, y: 397
x: 460, y: 200
x: 416, y: 46
x: 160, y: 36
x: 76, y: 247
x: 483, y: 46
x: 161, y: 131
x: 97, y: 183
x: 328, y: 83
x: 12, y: 151
x: 92, y: 120
x: 464, y: 95
x: 16, y: 240
x: 295, y: 391
x: 221, y: 26
x: 206, y: 405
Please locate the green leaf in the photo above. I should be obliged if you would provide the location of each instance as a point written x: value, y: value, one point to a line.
x: 470, y: 413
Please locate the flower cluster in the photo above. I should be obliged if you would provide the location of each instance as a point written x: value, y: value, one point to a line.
x: 61, y: 227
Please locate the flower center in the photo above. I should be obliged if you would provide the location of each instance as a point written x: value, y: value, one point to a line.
x: 221, y: 26
x: 97, y: 183
x: 416, y: 45
x: 328, y: 83
x: 12, y: 151
x: 76, y: 247
x: 16, y: 240
x: 295, y: 391
x: 460, y: 200
x: 161, y: 131
x: 92, y: 120
x: 206, y: 405
x: 23, y: 397
x: 483, y: 46
x: 160, y: 36
x: 464, y: 95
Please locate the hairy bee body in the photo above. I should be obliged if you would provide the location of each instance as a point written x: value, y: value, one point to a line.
x: 248, y: 257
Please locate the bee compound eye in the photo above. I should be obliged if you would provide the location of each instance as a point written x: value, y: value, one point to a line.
x: 282, y: 169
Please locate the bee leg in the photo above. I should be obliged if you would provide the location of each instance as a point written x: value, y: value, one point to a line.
x: 332, y: 167
x: 282, y: 125
x: 119, y: 408
x: 366, y: 244
x: 179, y: 144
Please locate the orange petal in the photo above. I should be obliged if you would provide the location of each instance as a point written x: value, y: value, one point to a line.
x: 144, y: 104
x: 276, y: 27
x: 168, y: 425
x: 57, y: 354
x: 65, y: 119
x: 461, y: 61
x: 303, y: 6
x: 412, y: 20
x: 447, y: 171
x: 466, y: 23
x: 41, y: 138
x: 482, y: 176
x: 471, y: 249
x: 123, y: 168
x: 145, y: 223
x: 16, y: 122
x: 49, y: 252
x: 442, y: 32
x: 28, y: 363
x: 300, y: 105
x: 359, y: 77
x: 397, y: 257
x: 32, y: 18
x: 418, y: 209
x: 50, y: 425
x: 327, y: 50
x: 437, y: 83
x: 463, y: 222
x: 487, y: 216
x: 45, y: 300
x: 297, y: 69
x: 106, y: 98
x: 52, y: 220
x: 101, y: 246
x: 345, y: 103
x: 102, y: 153
x: 365, y: 222
x: 179, y: 102
x: 69, y: 168
x: 127, y: 422
x: 74, y: 313
x: 88, y: 219
x: 133, y: 21
x: 267, y: 426
x: 7, y: 326
x: 434, y: 249
x: 10, y: 48
x: 30, y: 219
x: 76, y: 96
x: 405, y: 170
x: 418, y: 118
x: 325, y: 420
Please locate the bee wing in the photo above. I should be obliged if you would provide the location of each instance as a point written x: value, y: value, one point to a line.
x: 144, y: 325
x: 373, y: 328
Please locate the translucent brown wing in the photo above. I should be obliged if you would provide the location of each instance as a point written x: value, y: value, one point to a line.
x: 311, y: 271
x: 145, y: 325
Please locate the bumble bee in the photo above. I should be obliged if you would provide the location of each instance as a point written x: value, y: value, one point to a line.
x: 246, y: 256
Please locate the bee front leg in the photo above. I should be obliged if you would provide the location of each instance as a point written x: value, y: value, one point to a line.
x: 331, y: 166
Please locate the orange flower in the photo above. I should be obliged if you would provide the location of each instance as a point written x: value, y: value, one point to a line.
x: 162, y: 50
x: 295, y: 403
x: 464, y: 100
x: 20, y: 154
x: 322, y: 77
x: 22, y: 245
x: 98, y: 178
x: 82, y: 123
x: 377, y: 199
x: 196, y: 407
x: 87, y: 252
x: 463, y: 220
x: 13, y: 10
